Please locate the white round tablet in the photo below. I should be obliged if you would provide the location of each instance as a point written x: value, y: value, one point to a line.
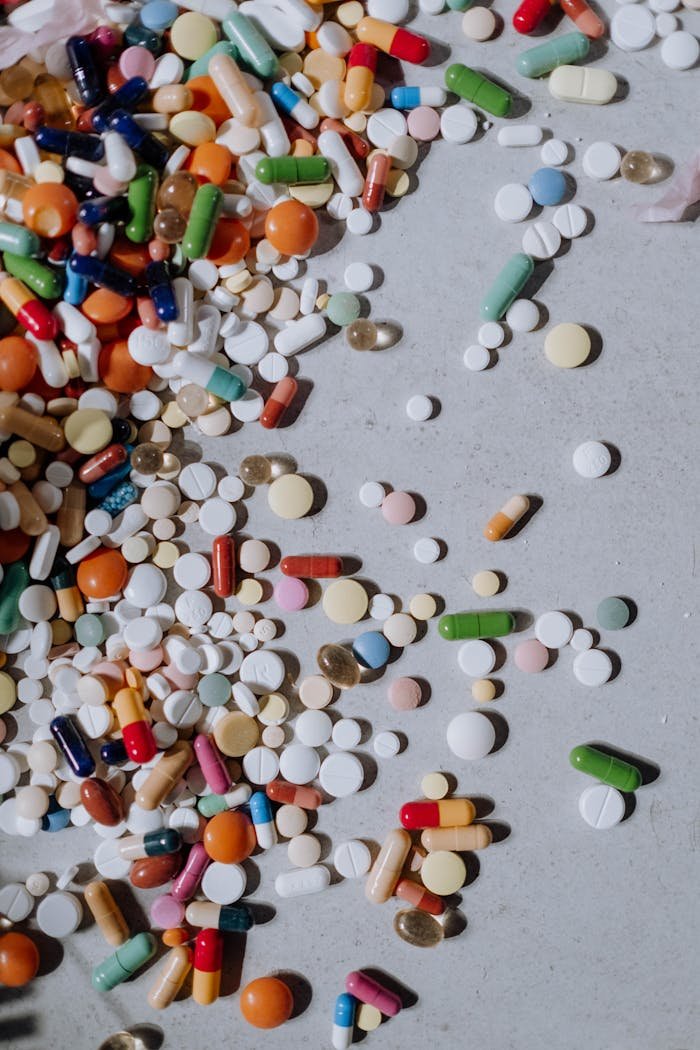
x: 386, y: 744
x: 341, y: 774
x: 231, y: 488
x: 632, y: 27
x: 273, y: 367
x: 426, y: 550
x: 470, y: 735
x: 419, y: 408
x: 581, y: 640
x: 592, y: 459
x: 16, y: 902
x: 523, y: 316
x: 223, y: 883
x: 248, y: 408
x: 381, y: 607
x: 491, y: 335
x: 313, y: 728
x: 59, y: 914
x: 601, y: 160
x: 680, y: 50
x: 477, y: 357
x: 359, y: 222
x: 458, y: 124
x: 592, y: 667
x: 663, y: 5
x: 666, y: 24
x: 601, y: 806
x: 108, y: 861
x: 476, y: 658
x: 216, y: 517
x: 389, y: 10
x: 263, y: 671
x: 10, y: 771
x: 261, y: 765
x: 298, y: 763
x: 541, y: 240
x: 248, y: 344
x: 554, y: 629
x: 347, y: 734
x: 98, y: 522
x: 358, y: 277
x: 554, y: 152
x: 513, y: 202
x: 192, y: 571
x: 197, y: 481
x: 372, y: 494
x: 352, y: 859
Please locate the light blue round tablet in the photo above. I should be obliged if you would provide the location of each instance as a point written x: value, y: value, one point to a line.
x: 371, y: 649
x: 158, y: 15
x: 547, y: 186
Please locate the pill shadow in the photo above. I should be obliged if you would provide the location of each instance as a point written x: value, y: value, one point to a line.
x: 320, y: 494
x: 12, y: 1029
x: 129, y: 904
x: 300, y: 988
x: 234, y: 957
x: 501, y: 654
x: 439, y: 52
x: 483, y: 804
x: 536, y: 502
x: 453, y: 922
x: 11, y: 728
x: 590, y: 222
x: 426, y: 690
x: 623, y: 90
x: 543, y: 269
x: 151, y: 1035
x: 500, y: 830
x: 616, y: 663
x: 501, y: 726
x: 523, y: 620
x: 50, y: 952
x: 282, y: 463
x: 407, y: 996
x: 648, y: 769
x: 403, y: 741
x: 261, y: 911
x: 315, y: 593
x: 632, y: 606
x: 304, y: 388
x: 574, y: 617
x: 291, y: 665
x: 552, y: 656
x: 326, y: 844
x: 473, y: 867
x: 365, y: 730
x: 500, y: 689
x: 421, y: 508
x: 597, y: 49
x: 330, y: 234
x: 665, y: 165
x: 369, y: 767
x: 351, y: 564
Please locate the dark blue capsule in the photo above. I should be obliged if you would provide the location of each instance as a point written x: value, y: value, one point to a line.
x: 99, y: 489
x: 69, y: 143
x: 85, y: 72
x: 72, y: 744
x: 113, y: 753
x: 126, y: 97
x: 101, y: 273
x: 150, y: 149
x: 104, y: 209
x: 81, y: 186
x: 160, y: 290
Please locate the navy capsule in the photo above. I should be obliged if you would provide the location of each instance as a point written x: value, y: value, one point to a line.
x: 126, y: 97
x: 160, y: 289
x: 70, y: 740
x: 151, y: 150
x: 103, y: 274
x: 113, y: 753
x: 69, y: 143
x: 85, y: 72
x: 81, y: 187
x: 101, y: 488
x: 104, y: 209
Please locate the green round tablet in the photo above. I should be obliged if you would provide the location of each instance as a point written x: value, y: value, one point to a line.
x: 214, y: 690
x: 613, y: 614
x: 343, y: 308
x: 89, y: 629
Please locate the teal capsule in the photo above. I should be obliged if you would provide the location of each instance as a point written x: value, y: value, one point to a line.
x: 456, y: 626
x: 612, y: 771
x: 459, y: 5
x: 141, y: 196
x: 200, y: 67
x: 43, y: 282
x: 15, y: 581
x: 563, y: 50
x: 127, y: 959
x: 210, y: 805
x: 292, y: 169
x: 201, y: 224
x: 474, y: 87
x: 18, y: 239
x: 252, y: 46
x: 507, y: 286
x: 137, y: 35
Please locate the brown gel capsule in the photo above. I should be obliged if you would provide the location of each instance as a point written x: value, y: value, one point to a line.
x: 102, y: 802
x: 71, y: 515
x: 155, y: 871
x: 338, y: 665
x: 456, y: 840
x: 418, y: 928
x: 32, y: 520
x: 167, y: 772
x: 170, y: 977
x: 106, y: 913
x: 42, y: 431
x: 312, y: 566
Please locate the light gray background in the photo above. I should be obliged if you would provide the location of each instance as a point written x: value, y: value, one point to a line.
x: 574, y: 937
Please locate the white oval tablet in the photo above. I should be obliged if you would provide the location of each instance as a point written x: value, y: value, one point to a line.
x: 592, y: 667
x: 301, y: 881
x: 601, y: 806
x: 223, y: 883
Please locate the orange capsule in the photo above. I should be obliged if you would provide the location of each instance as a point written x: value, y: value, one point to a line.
x: 375, y: 182
x: 97, y: 466
x: 223, y: 562
x: 50, y: 209
x: 102, y: 573
x: 175, y: 936
x: 14, y: 546
x: 278, y: 402
x: 419, y: 897
x: 134, y: 258
x: 291, y: 227
x: 9, y: 163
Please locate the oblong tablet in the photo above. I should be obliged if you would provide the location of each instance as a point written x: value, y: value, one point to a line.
x: 577, y: 84
x: 301, y: 881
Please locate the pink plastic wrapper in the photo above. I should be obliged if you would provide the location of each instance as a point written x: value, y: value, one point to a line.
x: 683, y: 192
x: 65, y: 18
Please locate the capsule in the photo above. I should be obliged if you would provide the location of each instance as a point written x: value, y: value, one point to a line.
x: 32, y: 520
x: 223, y: 563
x: 160, y: 290
x: 537, y: 61
x: 18, y: 239
x: 99, y: 465
x: 293, y: 794
x: 106, y: 913
x: 233, y: 88
x: 69, y: 143
x: 448, y: 812
x: 13, y: 584
x: 141, y: 196
x: 228, y: 918
x: 312, y: 566
x: 584, y: 18
x: 386, y: 870
x: 507, y: 287
x: 218, y: 381
x: 507, y: 517
x: 292, y: 170
x: 263, y: 820
x: 457, y: 839
x: 369, y: 991
x: 294, y: 105
x: 185, y: 885
x: 40, y: 279
x: 208, y: 954
x: 136, y: 730
x: 68, y: 596
x: 127, y: 959
x: 530, y: 13
x: 166, y: 773
x: 101, y: 273
x: 613, y: 771
x: 113, y: 753
x: 474, y: 87
x: 28, y: 310
x: 72, y: 744
x: 42, y: 431
x: 456, y: 626
x: 151, y: 150
x: 343, y: 1021
x: 152, y: 872
x: 361, y: 63
x: 251, y: 45
x: 201, y: 224
x: 279, y: 400
x: 104, y: 209
x: 418, y: 897
x: 127, y: 97
x: 375, y: 181
x: 210, y: 805
x: 393, y: 40
x: 170, y: 978
x: 85, y: 73
x: 412, y: 97
x: 212, y: 764
x: 71, y: 515
x: 150, y: 844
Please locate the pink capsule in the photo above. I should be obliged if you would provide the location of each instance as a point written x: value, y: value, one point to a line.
x: 369, y: 991
x: 212, y: 764
x: 185, y: 885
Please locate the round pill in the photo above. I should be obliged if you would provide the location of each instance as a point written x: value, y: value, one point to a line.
x: 443, y: 872
x: 554, y: 629
x: 291, y: 821
x: 347, y: 734
x: 423, y: 123
x: 109, y: 862
x: 632, y: 27
x: 404, y: 694
x: 299, y: 764
x: 570, y: 220
x: 372, y: 494
x: 291, y: 594
x: 592, y: 459
x: 601, y: 806
x: 434, y: 786
x: 358, y: 277
x: 491, y: 335
x: 470, y: 735
x: 398, y: 508
x: 680, y: 50
x: 513, y: 202
x: 478, y: 23
x: 592, y: 667
x: 192, y: 571
x: 477, y: 357
x: 531, y: 656
x: 341, y: 774
x: 666, y: 23
x: 547, y: 186
x: 422, y: 606
x: 554, y: 152
x: 273, y: 367
x: 523, y: 316
x: 400, y: 630
x: 345, y: 601
x: 601, y: 161
x: 38, y: 884
x: 426, y: 550
x: 16, y: 902
x: 88, y: 430
x: 541, y: 240
x: 315, y: 692
x: 352, y: 859
x: 368, y: 1018
x: 486, y: 583
x: 359, y: 222
x: 613, y: 614
x: 253, y: 556
x: 197, y: 481
x: 381, y: 607
x: 166, y: 912
x: 290, y: 496
x: 304, y: 851
x: 313, y: 728
x: 419, y: 408
x: 261, y: 765
x: 263, y: 671
x: 223, y: 883
x: 581, y: 640
x: 59, y: 914
x: 476, y: 658
x: 483, y: 690
x: 567, y: 345
x: 216, y: 517
x: 386, y: 745
x: 458, y: 124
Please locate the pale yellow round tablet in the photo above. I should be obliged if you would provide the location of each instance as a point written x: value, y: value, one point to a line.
x: 48, y: 171
x: 135, y: 549
x: 478, y: 23
x: 314, y: 195
x: 163, y: 528
x: 238, y: 281
x: 398, y: 183
x: 422, y: 606
x: 192, y: 127
x: 165, y: 555
x: 400, y: 629
x: 357, y: 122
x: 302, y: 148
x: 236, y: 734
x: 322, y: 301
x: 88, y: 430
x: 483, y: 690
x: 443, y: 872
x: 290, y: 496
x: 21, y: 454
x: 173, y: 416
x: 367, y: 1017
x: 350, y: 13
x: 253, y: 556
x: 291, y: 820
x: 249, y: 592
x: 434, y: 785
x: 214, y: 424
x: 259, y: 296
x: 567, y: 345
x: 486, y: 583
x: 274, y: 709
x: 286, y: 304
x: 8, y: 692
x: 316, y: 692
x: 191, y: 35
x: 68, y: 795
x: 345, y: 601
x: 291, y: 62
x: 319, y: 66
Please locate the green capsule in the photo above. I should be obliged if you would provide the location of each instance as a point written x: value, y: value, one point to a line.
x: 15, y: 581
x: 127, y: 959
x: 200, y: 67
x: 507, y: 286
x: 292, y: 169
x: 612, y: 771
x: 561, y: 51
x: 252, y: 46
x: 43, y: 282
x: 459, y: 5
x: 18, y: 239
x: 456, y: 626
x: 210, y: 805
x: 474, y: 87
x: 142, y: 202
x: 206, y: 208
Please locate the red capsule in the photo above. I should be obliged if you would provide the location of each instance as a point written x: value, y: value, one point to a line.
x: 139, y: 742
x: 278, y: 402
x: 292, y: 794
x: 223, y: 561
x: 364, y: 55
x: 530, y: 13
x: 375, y: 181
x: 448, y: 812
x: 419, y: 897
x: 208, y: 951
x: 105, y: 461
x: 354, y: 142
x: 312, y: 566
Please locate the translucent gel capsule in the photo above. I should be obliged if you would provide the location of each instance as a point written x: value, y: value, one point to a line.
x: 255, y: 470
x: 361, y: 334
x: 338, y: 665
x: 638, y: 166
x: 418, y: 928
x: 147, y: 458
x: 192, y: 399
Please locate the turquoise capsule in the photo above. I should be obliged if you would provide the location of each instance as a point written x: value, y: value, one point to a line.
x: 200, y: 67
x: 127, y: 959
x: 201, y: 224
x: 45, y: 283
x: 210, y: 805
x: 563, y: 50
x: 459, y: 5
x: 15, y: 581
x: 252, y: 46
x: 507, y: 286
x: 18, y: 239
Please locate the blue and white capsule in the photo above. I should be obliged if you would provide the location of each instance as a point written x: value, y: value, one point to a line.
x: 263, y: 820
x: 412, y: 97
x: 343, y: 1020
x: 294, y: 105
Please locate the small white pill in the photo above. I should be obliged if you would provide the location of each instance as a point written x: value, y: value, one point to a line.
x: 523, y: 316
x: 554, y: 152
x: 592, y: 459
x: 419, y: 408
x: 352, y: 859
x: 476, y: 658
x: 386, y: 745
x: 680, y: 50
x: 491, y: 335
x: 581, y: 640
x: 541, y: 240
x: 477, y: 357
x: 601, y: 806
x: 513, y: 202
x: 632, y: 27
x: 601, y: 160
x: 592, y: 667
x: 359, y: 277
x: 426, y: 550
x: 554, y: 629
x: 458, y: 124
x: 372, y: 494
x: 570, y: 220
x: 359, y: 222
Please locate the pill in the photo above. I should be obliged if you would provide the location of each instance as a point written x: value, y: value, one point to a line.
x: 592, y: 667
x: 567, y: 345
x: 541, y: 240
x: 352, y: 859
x: 601, y: 806
x: 576, y: 84
x: 458, y: 124
x: 680, y: 50
x: 613, y: 614
x: 523, y: 315
x: 570, y: 220
x: 470, y: 735
x: 592, y: 459
x: 610, y: 770
x: 632, y: 27
x: 513, y: 202
x: 601, y: 161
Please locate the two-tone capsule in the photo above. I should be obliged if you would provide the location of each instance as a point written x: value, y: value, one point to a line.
x: 448, y: 812
x: 498, y: 527
x: 150, y: 844
x: 228, y: 918
x: 206, y: 977
x: 458, y: 626
x: 343, y: 1021
x: 263, y: 820
x: 387, y: 868
x: 136, y: 729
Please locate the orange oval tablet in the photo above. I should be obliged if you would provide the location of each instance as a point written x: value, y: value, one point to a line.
x: 118, y: 370
x: 230, y: 242
x: 102, y: 574
x: 229, y: 837
x: 267, y: 1002
x: 105, y: 307
x: 134, y: 258
x: 102, y: 802
x: 14, y: 546
x: 175, y: 936
x: 19, y: 959
x: 291, y: 227
x: 18, y: 361
x: 210, y: 162
x: 206, y: 99
x: 50, y: 209
x: 8, y: 162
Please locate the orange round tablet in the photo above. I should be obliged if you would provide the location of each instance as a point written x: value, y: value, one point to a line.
x: 267, y: 1002
x: 105, y: 307
x: 230, y: 242
x: 19, y: 959
x: 8, y: 162
x: 206, y: 99
x: 175, y: 937
x: 229, y: 837
x: 210, y: 162
x: 118, y: 370
x: 102, y: 574
x: 50, y: 209
x: 291, y: 227
x: 14, y: 546
x: 18, y: 361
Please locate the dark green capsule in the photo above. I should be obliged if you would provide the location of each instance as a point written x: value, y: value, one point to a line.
x: 235, y: 919
x: 137, y: 35
x: 206, y: 208
x: 45, y: 283
x: 456, y: 626
x: 612, y: 771
x: 158, y: 843
x: 18, y: 239
x: 15, y: 581
x: 141, y: 196
x: 474, y: 87
x: 292, y: 169
x: 127, y: 959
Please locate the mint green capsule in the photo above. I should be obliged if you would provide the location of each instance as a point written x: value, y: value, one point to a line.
x: 15, y: 581
x: 612, y: 771
x: 459, y: 5
x: 210, y: 805
x: 456, y: 626
x: 43, y: 281
x: 200, y: 67
x: 127, y: 959
x: 252, y: 46
x: 141, y: 196
x: 206, y: 208
x: 474, y: 87
x: 507, y: 286
x: 292, y: 169
x: 561, y: 51
x: 18, y: 239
